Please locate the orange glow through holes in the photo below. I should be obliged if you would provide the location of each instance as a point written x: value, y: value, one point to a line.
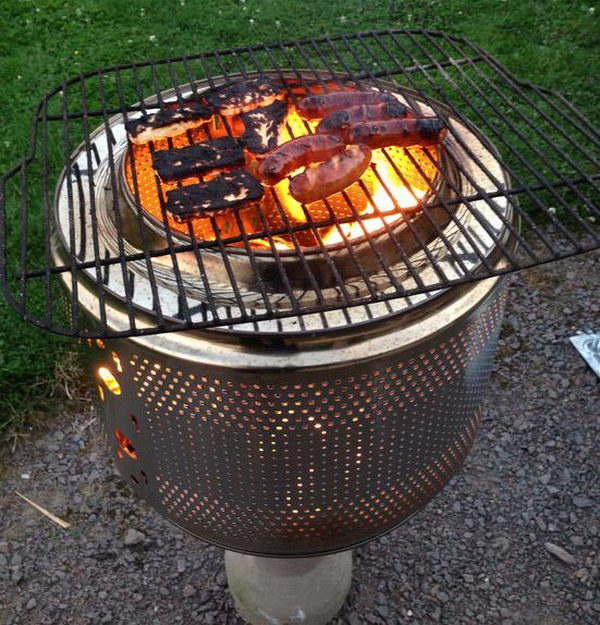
x: 109, y: 379
x: 126, y: 444
x: 117, y: 361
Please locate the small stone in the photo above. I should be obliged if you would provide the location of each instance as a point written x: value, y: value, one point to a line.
x: 545, y: 479
x: 583, y: 502
x: 383, y: 611
x: 221, y: 579
x: 502, y: 543
x: 181, y: 566
x: 188, y: 591
x: 577, y: 541
x: 436, y: 615
x: 468, y: 578
x: 133, y: 537
x: 106, y: 618
x: 17, y: 575
x: 31, y: 604
x: 560, y: 553
x: 443, y: 597
x: 102, y: 594
x: 4, y: 548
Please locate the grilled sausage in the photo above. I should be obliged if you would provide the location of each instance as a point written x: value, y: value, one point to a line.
x: 331, y: 176
x: 315, y: 106
x: 296, y: 153
x: 399, y: 132
x: 338, y: 121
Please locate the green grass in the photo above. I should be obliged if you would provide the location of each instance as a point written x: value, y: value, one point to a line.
x: 550, y: 42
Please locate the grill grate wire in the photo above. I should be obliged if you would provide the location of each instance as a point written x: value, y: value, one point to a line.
x: 550, y: 152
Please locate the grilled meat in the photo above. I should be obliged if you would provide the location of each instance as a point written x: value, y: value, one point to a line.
x: 227, y: 190
x: 197, y: 158
x: 168, y: 122
x: 332, y: 175
x: 337, y: 122
x: 262, y: 126
x: 315, y: 106
x: 298, y: 152
x: 243, y: 96
x: 401, y: 132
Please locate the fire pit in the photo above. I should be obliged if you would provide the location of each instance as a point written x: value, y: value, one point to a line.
x: 288, y: 379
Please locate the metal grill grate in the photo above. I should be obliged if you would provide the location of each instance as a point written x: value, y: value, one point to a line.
x: 540, y: 204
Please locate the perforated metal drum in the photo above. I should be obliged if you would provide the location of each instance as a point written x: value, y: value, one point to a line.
x: 301, y: 447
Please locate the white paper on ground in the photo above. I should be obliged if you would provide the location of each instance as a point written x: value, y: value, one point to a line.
x: 588, y: 346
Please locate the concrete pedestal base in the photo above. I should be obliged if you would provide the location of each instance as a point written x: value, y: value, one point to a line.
x: 279, y: 591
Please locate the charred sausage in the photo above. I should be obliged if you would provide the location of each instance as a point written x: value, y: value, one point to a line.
x: 332, y: 175
x: 315, y: 106
x: 298, y: 153
x: 399, y: 132
x: 338, y: 121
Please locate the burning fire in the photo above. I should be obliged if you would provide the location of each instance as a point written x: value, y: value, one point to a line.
x: 389, y: 190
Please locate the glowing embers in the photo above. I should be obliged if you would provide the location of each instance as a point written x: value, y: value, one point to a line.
x: 391, y: 189
x: 117, y: 361
x: 109, y: 380
x: 126, y: 444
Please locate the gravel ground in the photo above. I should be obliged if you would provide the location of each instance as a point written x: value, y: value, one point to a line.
x: 513, y: 540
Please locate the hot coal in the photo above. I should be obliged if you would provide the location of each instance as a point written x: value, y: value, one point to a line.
x: 225, y: 191
x: 168, y: 122
x: 243, y: 96
x: 197, y: 158
x: 262, y: 126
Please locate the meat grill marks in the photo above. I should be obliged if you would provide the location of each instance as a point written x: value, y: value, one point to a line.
x: 197, y: 158
x: 337, y: 122
x: 227, y: 190
x: 175, y: 118
x: 240, y: 97
x: 262, y: 126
